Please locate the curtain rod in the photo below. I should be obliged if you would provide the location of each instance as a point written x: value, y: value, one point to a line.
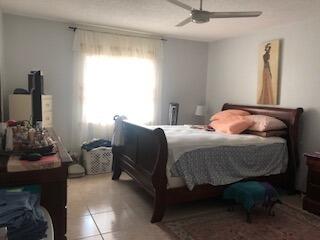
x: 119, y: 34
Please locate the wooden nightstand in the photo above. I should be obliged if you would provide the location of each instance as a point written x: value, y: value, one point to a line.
x: 311, y: 201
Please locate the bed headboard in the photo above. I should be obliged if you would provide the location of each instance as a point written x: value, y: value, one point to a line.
x: 291, y: 118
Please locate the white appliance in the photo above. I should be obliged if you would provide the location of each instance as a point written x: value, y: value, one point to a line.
x: 173, y: 113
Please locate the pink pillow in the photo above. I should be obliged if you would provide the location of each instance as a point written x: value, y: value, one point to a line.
x: 272, y: 133
x: 228, y: 113
x: 232, y: 125
x: 264, y: 123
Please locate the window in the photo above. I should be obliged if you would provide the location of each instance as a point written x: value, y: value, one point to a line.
x: 118, y: 85
x: 114, y: 75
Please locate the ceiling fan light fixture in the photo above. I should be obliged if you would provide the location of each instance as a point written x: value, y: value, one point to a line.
x: 199, y: 16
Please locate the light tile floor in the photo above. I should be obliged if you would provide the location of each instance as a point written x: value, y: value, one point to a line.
x: 99, y: 208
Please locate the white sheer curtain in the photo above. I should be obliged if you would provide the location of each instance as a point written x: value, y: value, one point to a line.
x: 114, y: 75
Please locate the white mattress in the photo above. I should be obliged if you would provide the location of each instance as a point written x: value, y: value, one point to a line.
x: 182, y: 139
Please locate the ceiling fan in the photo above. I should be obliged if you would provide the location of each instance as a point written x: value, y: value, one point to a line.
x: 202, y: 16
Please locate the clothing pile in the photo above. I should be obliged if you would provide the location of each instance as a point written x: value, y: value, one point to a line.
x: 95, y: 144
x: 20, y: 212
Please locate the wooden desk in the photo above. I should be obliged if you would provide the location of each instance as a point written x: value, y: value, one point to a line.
x: 53, y: 184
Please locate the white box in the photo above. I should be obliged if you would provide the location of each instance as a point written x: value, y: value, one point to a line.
x: 98, y: 160
x: 20, y: 108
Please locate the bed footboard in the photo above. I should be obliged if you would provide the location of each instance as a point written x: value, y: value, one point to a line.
x: 144, y: 157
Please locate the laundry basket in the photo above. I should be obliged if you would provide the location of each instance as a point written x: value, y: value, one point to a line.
x: 98, y: 160
x: 50, y: 230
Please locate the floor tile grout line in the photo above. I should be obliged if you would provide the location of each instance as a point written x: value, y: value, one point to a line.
x: 91, y: 215
x: 109, y: 211
x: 84, y: 238
x: 100, y: 234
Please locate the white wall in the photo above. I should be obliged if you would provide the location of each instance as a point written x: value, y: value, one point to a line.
x: 232, y: 76
x: 184, y: 77
x: 32, y: 44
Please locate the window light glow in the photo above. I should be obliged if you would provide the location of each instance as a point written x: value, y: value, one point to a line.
x: 118, y: 86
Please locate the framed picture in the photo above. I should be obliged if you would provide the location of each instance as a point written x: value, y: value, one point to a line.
x: 268, y: 71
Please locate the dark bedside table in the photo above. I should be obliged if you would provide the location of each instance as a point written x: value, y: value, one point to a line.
x: 311, y: 201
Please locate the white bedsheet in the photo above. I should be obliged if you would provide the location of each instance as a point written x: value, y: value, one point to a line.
x: 183, y: 138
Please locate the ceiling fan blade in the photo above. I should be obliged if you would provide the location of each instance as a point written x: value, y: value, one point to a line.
x: 180, y: 4
x: 234, y: 14
x: 184, y: 22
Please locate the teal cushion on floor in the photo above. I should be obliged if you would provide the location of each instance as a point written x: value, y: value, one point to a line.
x: 250, y: 193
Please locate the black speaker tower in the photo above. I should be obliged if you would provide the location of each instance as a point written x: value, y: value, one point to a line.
x: 35, y: 85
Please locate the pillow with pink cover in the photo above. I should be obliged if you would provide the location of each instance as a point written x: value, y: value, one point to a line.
x: 264, y: 123
x: 228, y: 113
x: 272, y: 133
x: 232, y: 125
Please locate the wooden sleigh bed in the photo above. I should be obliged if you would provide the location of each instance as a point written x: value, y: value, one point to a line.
x: 145, y: 152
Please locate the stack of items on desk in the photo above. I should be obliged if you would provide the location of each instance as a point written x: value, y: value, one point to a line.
x: 20, y: 212
x: 22, y: 137
x: 29, y: 144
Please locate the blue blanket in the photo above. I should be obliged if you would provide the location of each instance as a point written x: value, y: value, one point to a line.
x: 20, y: 212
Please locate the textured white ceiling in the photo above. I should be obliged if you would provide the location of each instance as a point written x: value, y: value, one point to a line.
x: 159, y: 16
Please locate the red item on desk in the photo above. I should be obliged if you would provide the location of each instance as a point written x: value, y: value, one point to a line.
x: 46, y: 162
x: 11, y: 123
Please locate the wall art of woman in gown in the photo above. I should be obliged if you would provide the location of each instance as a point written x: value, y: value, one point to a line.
x: 266, y: 95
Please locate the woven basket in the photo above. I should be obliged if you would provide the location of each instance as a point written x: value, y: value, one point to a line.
x: 98, y: 160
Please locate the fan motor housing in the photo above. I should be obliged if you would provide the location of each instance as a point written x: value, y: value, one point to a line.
x: 199, y: 16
